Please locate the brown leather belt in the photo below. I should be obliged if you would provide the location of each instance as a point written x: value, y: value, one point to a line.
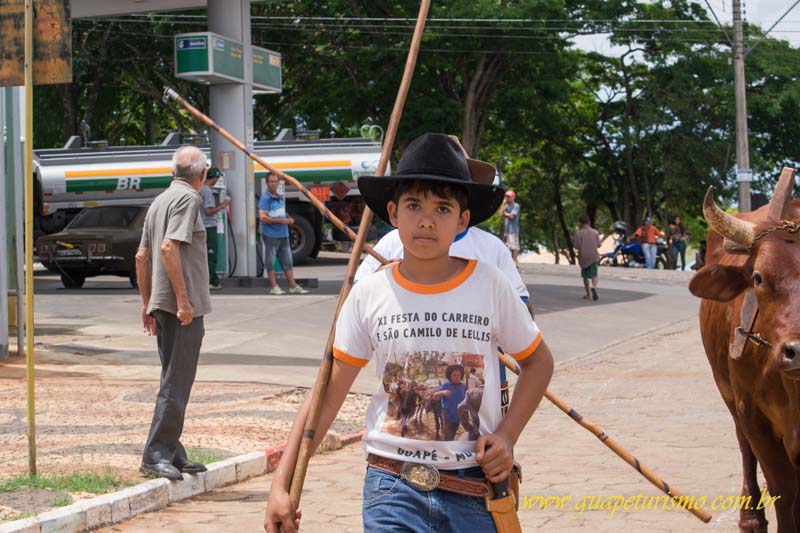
x: 467, y: 486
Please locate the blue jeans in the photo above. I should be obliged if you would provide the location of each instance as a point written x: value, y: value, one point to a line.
x: 650, y: 251
x: 279, y: 247
x: 392, y: 506
x: 679, y: 248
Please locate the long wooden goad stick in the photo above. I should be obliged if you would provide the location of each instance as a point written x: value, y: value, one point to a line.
x: 202, y: 117
x: 312, y: 419
x: 652, y: 477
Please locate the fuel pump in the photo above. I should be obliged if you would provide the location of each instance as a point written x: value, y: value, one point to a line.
x: 223, y: 217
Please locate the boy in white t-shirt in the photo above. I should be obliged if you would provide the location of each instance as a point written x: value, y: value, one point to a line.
x: 433, y: 438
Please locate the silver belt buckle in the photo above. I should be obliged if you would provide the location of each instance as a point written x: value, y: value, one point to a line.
x: 422, y: 477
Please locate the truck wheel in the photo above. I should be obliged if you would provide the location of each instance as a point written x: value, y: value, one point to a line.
x: 302, y: 239
x: 72, y: 280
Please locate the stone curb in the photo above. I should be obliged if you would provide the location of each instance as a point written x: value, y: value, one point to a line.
x: 154, y: 494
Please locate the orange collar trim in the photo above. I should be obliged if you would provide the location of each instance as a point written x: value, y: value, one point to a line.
x: 435, y: 288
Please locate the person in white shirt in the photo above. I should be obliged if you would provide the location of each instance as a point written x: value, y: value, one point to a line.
x: 473, y: 243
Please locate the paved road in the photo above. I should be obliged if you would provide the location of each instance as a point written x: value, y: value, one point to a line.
x: 631, y: 362
x: 254, y: 337
x: 654, y: 395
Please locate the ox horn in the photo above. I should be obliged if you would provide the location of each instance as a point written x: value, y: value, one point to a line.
x: 739, y: 231
x: 782, y: 197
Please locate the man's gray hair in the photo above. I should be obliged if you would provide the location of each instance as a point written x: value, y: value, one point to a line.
x: 188, y: 162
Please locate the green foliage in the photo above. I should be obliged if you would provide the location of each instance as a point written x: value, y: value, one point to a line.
x: 61, y: 501
x: 93, y: 482
x: 641, y: 131
x: 205, y: 455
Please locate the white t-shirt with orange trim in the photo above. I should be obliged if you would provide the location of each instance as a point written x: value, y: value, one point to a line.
x: 425, y: 338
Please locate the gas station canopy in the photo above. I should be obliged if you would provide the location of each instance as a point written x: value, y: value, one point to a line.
x: 100, y: 8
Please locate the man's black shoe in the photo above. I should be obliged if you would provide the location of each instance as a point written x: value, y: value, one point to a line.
x: 189, y: 467
x: 165, y: 470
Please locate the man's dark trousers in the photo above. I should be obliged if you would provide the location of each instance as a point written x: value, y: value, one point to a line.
x: 179, y: 350
x: 211, y: 248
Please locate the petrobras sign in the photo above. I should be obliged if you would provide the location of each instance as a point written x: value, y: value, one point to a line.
x: 188, y: 43
x: 366, y: 167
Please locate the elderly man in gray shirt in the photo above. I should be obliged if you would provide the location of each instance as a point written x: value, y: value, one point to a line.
x: 172, y: 270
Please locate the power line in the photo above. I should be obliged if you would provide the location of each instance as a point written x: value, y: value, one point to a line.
x: 432, y: 31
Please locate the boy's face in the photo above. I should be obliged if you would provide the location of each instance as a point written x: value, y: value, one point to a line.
x: 428, y: 224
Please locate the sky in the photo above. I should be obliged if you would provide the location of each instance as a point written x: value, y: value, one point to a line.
x: 761, y: 12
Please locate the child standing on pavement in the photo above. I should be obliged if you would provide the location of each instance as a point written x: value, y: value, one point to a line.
x: 420, y: 318
x: 587, y: 241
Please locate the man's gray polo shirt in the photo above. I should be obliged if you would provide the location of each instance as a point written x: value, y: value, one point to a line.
x: 175, y: 214
x: 209, y: 221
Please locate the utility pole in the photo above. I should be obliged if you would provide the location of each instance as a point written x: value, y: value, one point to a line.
x: 743, y: 172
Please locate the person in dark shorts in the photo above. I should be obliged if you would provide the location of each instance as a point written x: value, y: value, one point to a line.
x: 587, y: 241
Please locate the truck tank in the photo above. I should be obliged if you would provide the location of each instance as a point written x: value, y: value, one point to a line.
x: 73, y: 177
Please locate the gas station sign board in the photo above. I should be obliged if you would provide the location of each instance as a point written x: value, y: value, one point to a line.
x: 208, y: 58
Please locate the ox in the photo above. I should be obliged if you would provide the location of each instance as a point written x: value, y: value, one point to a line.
x: 468, y: 411
x: 407, y: 403
x: 429, y: 405
x: 750, y: 325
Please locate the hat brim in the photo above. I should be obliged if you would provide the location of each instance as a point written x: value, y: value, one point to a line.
x: 481, y: 172
x: 483, y: 200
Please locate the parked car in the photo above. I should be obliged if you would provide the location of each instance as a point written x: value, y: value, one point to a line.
x: 98, y: 241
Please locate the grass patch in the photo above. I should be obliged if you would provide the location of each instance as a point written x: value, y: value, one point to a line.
x: 204, y: 455
x: 61, y: 501
x: 91, y: 482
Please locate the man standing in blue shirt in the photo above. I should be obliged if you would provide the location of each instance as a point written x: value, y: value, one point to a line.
x: 451, y: 393
x: 510, y: 213
x: 275, y: 232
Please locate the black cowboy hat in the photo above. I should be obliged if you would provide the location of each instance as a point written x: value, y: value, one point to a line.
x: 432, y: 157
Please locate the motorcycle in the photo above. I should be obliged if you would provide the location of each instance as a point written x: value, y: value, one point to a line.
x: 631, y: 254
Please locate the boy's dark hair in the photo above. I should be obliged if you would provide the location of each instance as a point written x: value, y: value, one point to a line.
x: 437, y: 188
x: 452, y: 368
x: 583, y: 219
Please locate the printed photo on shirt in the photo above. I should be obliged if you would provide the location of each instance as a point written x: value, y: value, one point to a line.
x: 434, y: 395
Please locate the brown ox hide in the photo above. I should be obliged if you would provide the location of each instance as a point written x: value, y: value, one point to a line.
x: 468, y: 412
x: 407, y: 403
x: 428, y: 404
x: 761, y: 388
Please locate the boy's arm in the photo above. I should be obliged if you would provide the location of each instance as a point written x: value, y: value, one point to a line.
x: 495, y: 451
x: 279, y: 506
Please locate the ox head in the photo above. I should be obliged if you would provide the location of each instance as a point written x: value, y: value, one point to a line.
x: 771, y: 267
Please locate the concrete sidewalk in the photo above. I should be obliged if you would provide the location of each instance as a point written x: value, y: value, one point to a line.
x: 653, y: 394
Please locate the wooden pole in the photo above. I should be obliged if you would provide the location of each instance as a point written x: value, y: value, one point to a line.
x: 202, y: 117
x: 740, y: 99
x: 306, y: 444
x: 28, y: 177
x: 626, y: 456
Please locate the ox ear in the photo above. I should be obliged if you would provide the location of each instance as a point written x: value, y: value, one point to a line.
x: 720, y: 283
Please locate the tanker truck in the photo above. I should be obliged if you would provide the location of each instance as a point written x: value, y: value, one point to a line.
x: 91, y: 173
